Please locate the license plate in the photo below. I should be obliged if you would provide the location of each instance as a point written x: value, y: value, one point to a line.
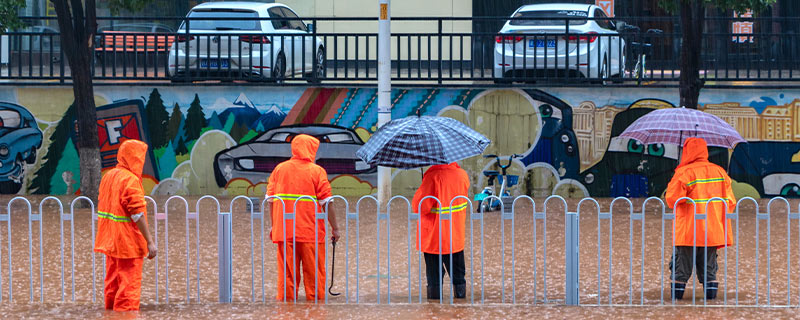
x: 540, y: 43
x: 213, y: 63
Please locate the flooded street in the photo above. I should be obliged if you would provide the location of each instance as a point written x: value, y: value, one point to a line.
x: 395, y: 311
x: 534, y: 278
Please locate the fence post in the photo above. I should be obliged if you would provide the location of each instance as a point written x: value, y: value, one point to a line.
x: 571, y: 238
x: 225, y: 247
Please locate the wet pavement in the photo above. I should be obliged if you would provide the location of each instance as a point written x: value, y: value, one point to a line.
x: 540, y: 289
x: 395, y: 311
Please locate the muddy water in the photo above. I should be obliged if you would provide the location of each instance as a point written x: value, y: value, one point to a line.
x: 394, y: 311
x: 620, y: 278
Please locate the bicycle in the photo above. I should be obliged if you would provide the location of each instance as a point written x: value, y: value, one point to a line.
x: 642, y: 49
x: 504, y: 179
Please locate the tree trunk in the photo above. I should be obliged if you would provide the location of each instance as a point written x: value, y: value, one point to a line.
x: 692, y: 21
x: 77, y: 28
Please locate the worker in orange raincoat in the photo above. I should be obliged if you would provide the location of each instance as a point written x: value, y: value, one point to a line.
x: 122, y: 233
x: 702, y: 181
x: 445, y: 182
x: 303, y: 187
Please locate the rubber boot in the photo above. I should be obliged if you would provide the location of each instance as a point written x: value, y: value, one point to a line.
x: 461, y: 291
x: 678, y: 289
x: 433, y: 293
x: 711, y: 290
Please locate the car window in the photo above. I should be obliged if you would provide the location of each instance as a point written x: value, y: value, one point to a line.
x: 278, y: 24
x: 281, y: 137
x: 602, y: 20
x: 9, y: 119
x: 550, y: 18
x: 248, y: 20
x: 337, y: 138
x: 295, y: 23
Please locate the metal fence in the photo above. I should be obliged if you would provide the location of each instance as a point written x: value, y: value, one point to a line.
x: 565, y: 252
x: 441, y: 50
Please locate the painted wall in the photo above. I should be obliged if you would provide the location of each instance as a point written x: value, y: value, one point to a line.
x: 226, y: 140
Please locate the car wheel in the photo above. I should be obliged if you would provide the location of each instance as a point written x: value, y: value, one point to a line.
x: 279, y: 68
x: 319, y: 70
x: 619, y: 77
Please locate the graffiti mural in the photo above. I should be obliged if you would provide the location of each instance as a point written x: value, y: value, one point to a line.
x: 225, y: 140
x: 254, y: 160
x: 20, y: 138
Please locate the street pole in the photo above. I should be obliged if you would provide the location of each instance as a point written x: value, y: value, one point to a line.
x: 384, y: 92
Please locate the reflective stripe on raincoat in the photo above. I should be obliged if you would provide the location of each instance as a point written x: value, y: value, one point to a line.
x: 299, y: 180
x: 445, y: 182
x: 702, y: 181
x: 121, y: 196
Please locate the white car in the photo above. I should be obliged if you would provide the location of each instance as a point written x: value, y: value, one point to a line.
x: 247, y: 48
x: 591, y: 48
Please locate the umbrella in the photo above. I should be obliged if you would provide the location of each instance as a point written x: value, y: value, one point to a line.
x: 414, y: 142
x: 670, y: 126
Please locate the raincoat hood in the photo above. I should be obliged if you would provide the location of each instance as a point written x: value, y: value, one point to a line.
x: 131, y: 156
x: 694, y: 150
x: 445, y: 166
x: 304, y: 147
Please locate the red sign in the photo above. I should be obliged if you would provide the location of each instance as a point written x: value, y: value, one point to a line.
x: 742, y: 27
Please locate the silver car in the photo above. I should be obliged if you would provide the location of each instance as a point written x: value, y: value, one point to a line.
x: 225, y: 47
x: 588, y: 45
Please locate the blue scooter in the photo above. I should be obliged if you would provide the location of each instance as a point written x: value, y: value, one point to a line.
x: 504, y: 179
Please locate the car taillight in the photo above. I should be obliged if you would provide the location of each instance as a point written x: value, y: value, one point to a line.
x: 589, y: 36
x: 507, y: 39
x: 254, y: 39
x: 184, y: 38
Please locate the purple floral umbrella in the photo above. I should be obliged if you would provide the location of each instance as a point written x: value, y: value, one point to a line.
x: 674, y: 125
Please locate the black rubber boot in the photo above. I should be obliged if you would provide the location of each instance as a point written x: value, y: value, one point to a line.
x: 433, y: 293
x: 461, y: 291
x: 711, y: 290
x: 678, y: 289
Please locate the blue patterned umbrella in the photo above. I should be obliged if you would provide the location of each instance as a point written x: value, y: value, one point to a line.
x: 415, y: 142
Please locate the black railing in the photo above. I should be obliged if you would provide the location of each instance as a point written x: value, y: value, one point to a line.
x: 444, y: 51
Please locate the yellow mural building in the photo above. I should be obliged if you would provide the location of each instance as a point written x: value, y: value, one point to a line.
x: 592, y: 127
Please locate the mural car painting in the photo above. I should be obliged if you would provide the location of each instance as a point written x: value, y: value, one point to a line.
x: 631, y: 169
x: 254, y: 160
x: 20, y: 137
x: 557, y: 143
x: 772, y: 168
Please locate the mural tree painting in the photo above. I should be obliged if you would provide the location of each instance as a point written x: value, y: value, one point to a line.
x: 195, y: 119
x: 692, y: 21
x: 51, y: 160
x: 174, y: 124
x: 157, y: 119
x: 77, y: 24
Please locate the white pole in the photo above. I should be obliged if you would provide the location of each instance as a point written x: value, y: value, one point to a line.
x: 384, y: 92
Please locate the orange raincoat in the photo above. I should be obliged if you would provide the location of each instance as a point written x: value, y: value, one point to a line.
x: 290, y: 181
x: 700, y: 180
x: 118, y: 237
x: 445, y: 182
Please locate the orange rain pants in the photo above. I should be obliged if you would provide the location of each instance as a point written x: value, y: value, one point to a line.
x: 304, y: 255
x: 123, y: 285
